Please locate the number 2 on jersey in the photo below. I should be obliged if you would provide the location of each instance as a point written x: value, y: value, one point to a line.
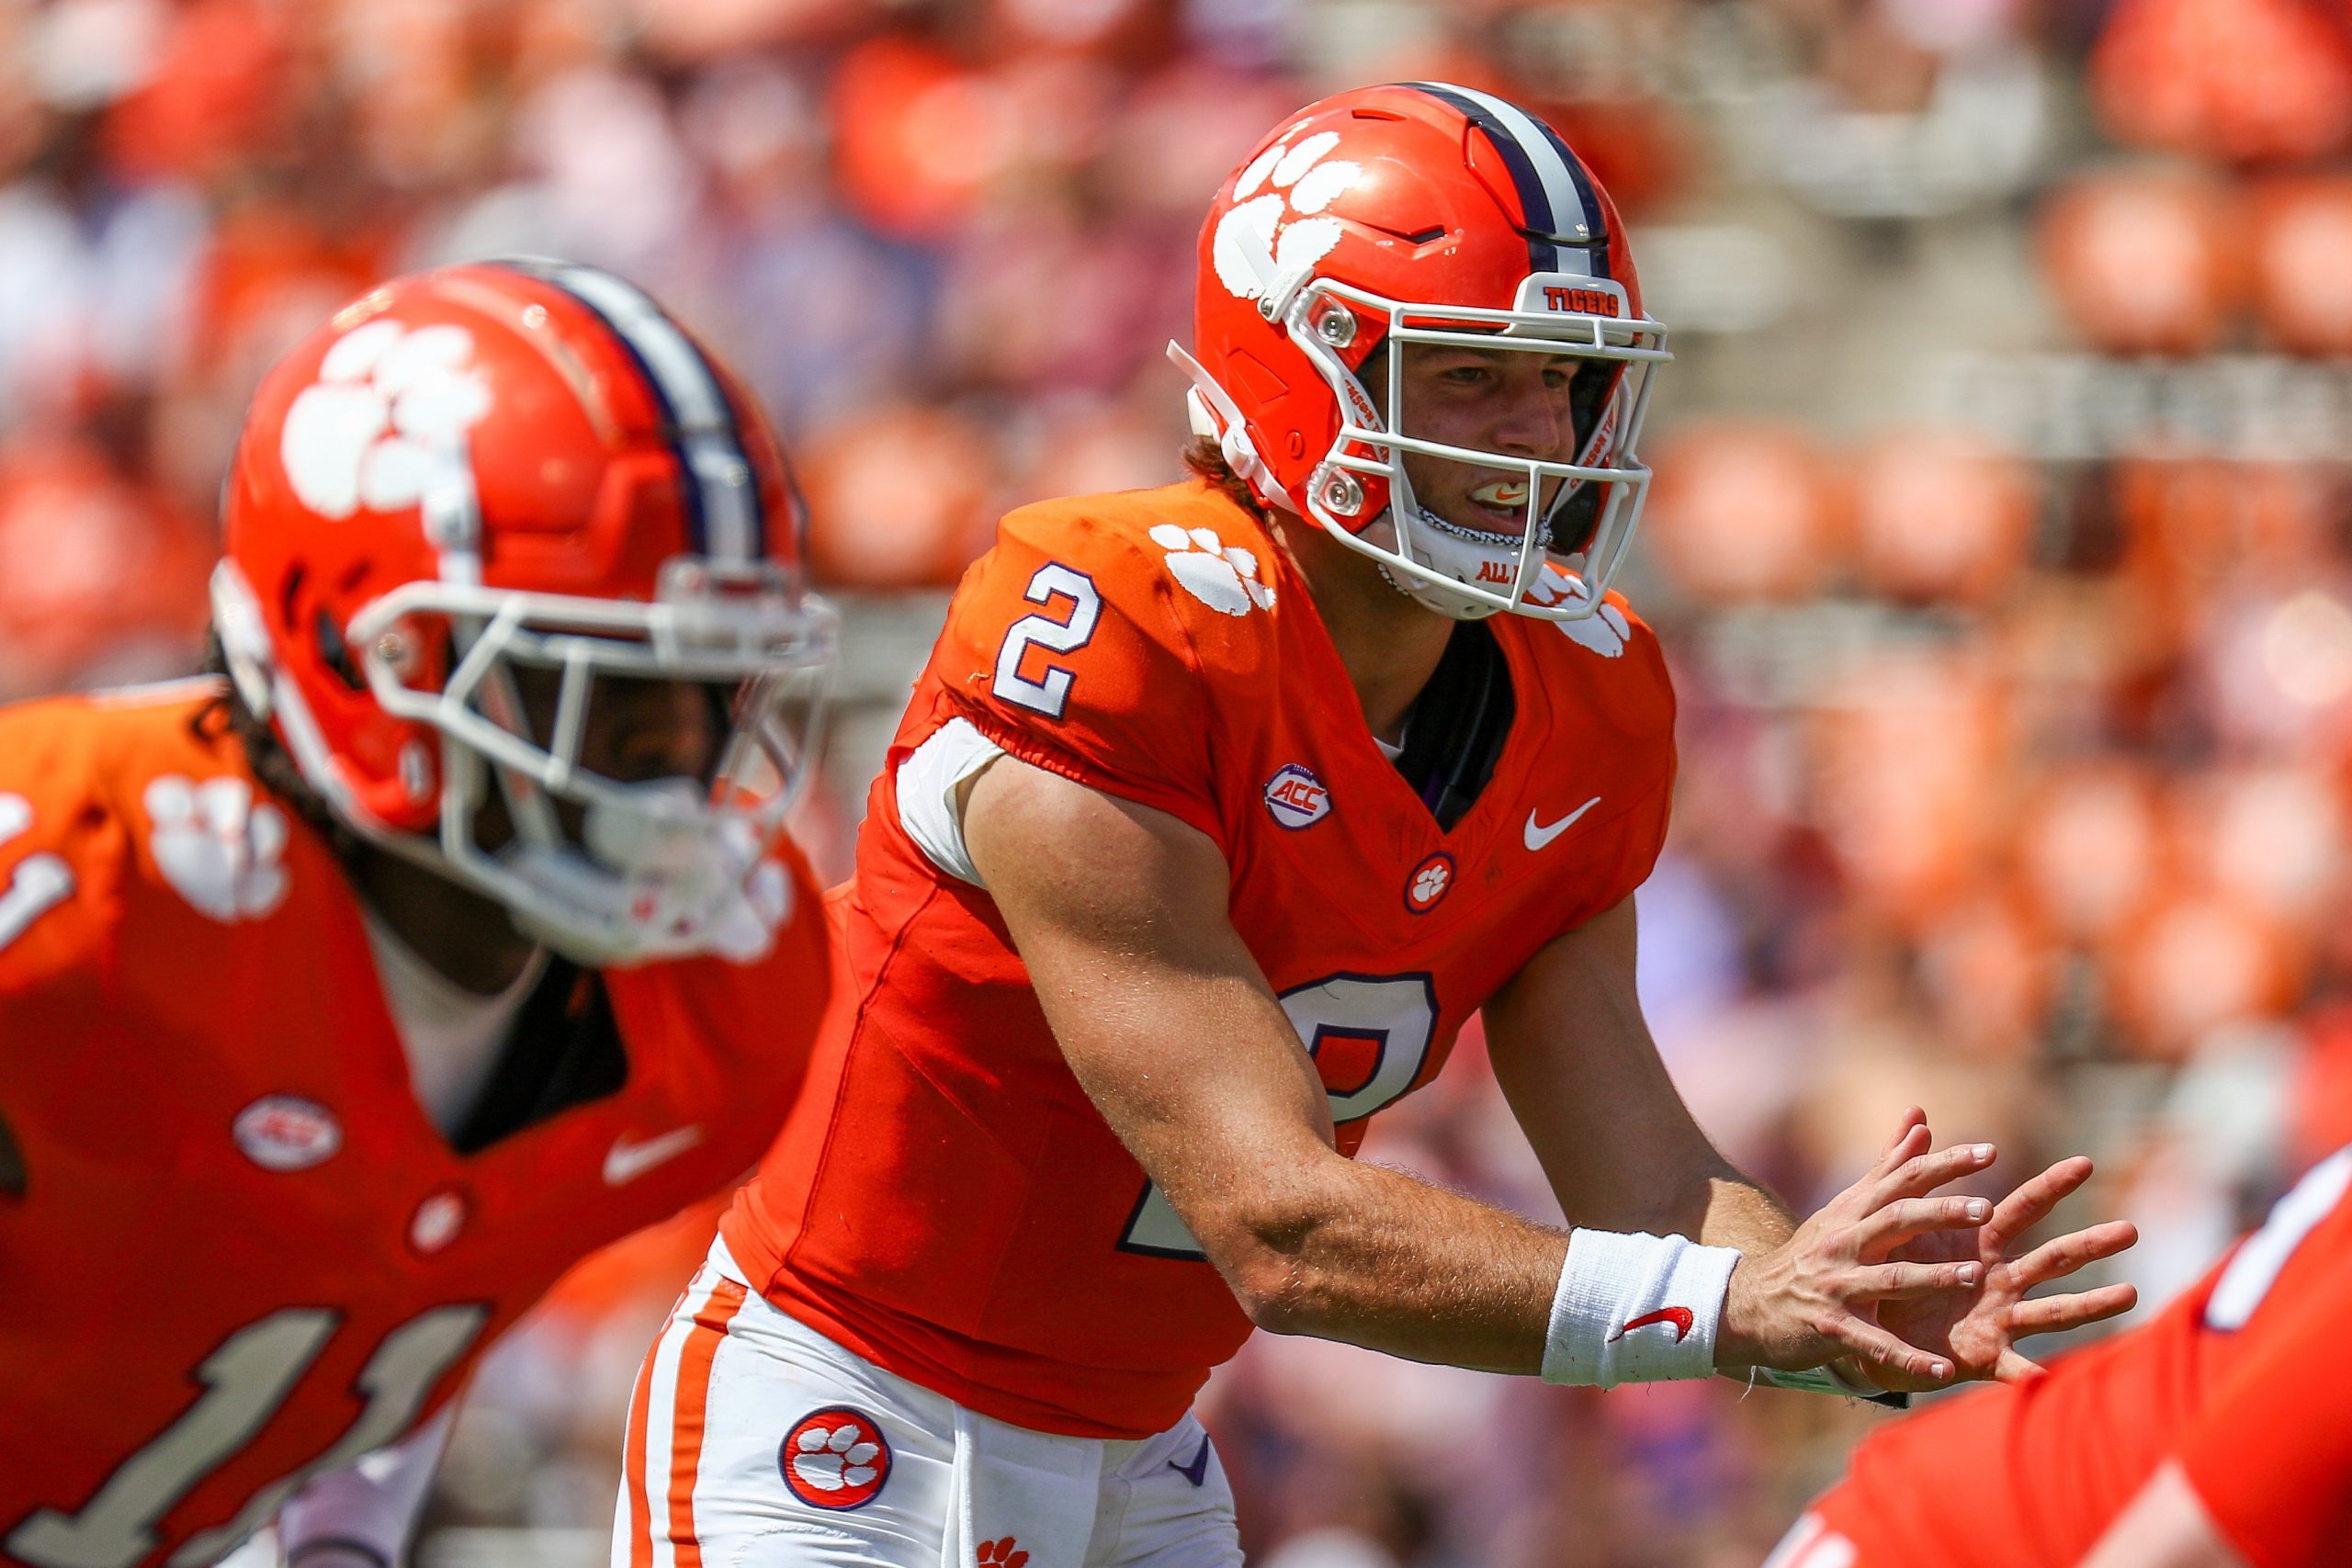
x: 1369, y: 1035
x: 245, y: 1382
x: 1049, y: 693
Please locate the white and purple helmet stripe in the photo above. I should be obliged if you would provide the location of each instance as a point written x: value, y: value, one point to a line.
x: 1565, y: 231
x: 724, y: 518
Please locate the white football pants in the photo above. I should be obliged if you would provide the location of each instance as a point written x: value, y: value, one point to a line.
x: 756, y: 1442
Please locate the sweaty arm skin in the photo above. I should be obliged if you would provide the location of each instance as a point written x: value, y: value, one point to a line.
x: 1618, y: 1146
x: 1176, y: 1036
x: 2165, y: 1525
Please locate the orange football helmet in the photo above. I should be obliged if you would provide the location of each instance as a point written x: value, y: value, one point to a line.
x: 1423, y: 213
x: 488, y: 520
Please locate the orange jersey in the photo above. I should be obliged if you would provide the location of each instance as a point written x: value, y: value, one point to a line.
x: 237, y: 1251
x: 2242, y: 1380
x: 945, y: 1201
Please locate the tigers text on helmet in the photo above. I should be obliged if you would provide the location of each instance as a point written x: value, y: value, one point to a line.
x: 512, y: 569
x: 1411, y: 215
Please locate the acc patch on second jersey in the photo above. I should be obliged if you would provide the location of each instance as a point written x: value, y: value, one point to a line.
x: 835, y: 1458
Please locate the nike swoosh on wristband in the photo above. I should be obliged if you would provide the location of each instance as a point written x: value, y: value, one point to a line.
x: 625, y: 1161
x: 1678, y: 1316
x: 1196, y: 1468
x: 1541, y: 834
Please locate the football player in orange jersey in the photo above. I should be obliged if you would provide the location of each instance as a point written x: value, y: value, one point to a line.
x: 2216, y: 1435
x: 1217, y: 811
x: 348, y: 998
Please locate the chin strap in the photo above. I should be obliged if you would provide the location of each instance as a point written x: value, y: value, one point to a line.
x: 1214, y: 414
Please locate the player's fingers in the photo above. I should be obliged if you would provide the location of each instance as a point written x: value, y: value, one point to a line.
x: 2013, y: 1368
x: 2032, y: 1202
x: 2053, y: 1315
x: 1912, y: 1121
x: 1922, y: 1174
x: 2060, y: 1255
x: 1894, y: 1282
x: 1901, y: 1221
x: 1884, y: 1350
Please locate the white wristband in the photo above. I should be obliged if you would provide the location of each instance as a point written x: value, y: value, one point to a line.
x: 1635, y: 1309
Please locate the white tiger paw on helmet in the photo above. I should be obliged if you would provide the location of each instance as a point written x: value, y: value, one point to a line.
x: 389, y: 405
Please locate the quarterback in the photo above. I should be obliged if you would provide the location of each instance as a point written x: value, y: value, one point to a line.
x: 2217, y: 1434
x: 348, y: 997
x: 1216, y: 812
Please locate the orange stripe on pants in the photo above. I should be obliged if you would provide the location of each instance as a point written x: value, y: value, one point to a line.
x: 691, y: 1409
x: 640, y: 1522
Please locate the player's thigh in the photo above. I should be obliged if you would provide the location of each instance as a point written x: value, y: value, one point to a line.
x: 1168, y: 1505
x: 754, y: 1453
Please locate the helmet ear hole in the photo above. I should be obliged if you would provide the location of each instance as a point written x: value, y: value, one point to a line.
x: 333, y: 651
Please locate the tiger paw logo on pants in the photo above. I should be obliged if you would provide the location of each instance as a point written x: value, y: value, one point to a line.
x: 388, y: 410
x: 835, y: 1458
x: 220, y: 850
x: 1005, y: 1554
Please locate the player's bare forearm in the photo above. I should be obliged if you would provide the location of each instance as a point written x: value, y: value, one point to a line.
x: 1618, y: 1146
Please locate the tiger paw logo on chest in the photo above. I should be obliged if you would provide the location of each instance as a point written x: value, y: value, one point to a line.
x: 1222, y: 576
x: 1265, y: 236
x: 1429, y: 882
x: 388, y: 410
x: 835, y: 1458
x: 217, y: 848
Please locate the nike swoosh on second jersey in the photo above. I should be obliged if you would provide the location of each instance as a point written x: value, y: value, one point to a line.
x: 625, y: 1161
x: 1541, y: 833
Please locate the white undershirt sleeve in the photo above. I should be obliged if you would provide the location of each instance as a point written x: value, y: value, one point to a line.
x: 928, y: 783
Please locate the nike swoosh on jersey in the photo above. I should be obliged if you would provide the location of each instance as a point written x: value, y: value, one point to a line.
x: 625, y: 1161
x: 1196, y: 1468
x: 1541, y: 833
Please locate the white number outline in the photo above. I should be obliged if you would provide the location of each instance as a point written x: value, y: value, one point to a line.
x: 2256, y: 1265
x: 1050, y: 696
x: 246, y: 1381
x: 1348, y: 1004
x: 41, y: 881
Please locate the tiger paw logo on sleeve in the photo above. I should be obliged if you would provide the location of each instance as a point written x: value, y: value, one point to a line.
x: 1222, y: 576
x: 219, y: 849
x: 374, y: 428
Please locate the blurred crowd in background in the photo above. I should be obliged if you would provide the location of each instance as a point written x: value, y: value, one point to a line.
x: 2000, y: 543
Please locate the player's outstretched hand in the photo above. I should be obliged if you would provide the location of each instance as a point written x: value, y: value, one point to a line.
x: 1977, y: 1330
x: 1817, y: 1297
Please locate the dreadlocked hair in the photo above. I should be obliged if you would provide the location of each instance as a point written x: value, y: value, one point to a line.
x: 225, y: 713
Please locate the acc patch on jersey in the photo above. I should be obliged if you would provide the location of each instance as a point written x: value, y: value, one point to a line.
x: 835, y: 1458
x: 286, y: 1132
x: 1297, y: 798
